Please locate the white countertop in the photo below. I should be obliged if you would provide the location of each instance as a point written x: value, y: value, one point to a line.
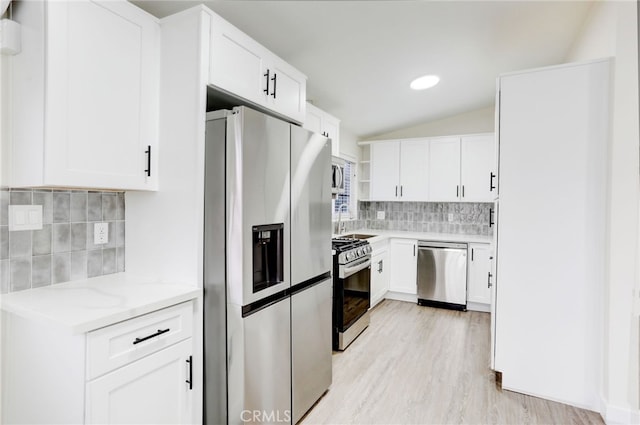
x: 423, y: 236
x: 86, y: 305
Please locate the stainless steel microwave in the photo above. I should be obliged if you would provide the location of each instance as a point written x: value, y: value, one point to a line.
x: 337, y: 175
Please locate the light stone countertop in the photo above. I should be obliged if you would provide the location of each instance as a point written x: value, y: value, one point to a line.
x: 380, y: 235
x: 89, y: 304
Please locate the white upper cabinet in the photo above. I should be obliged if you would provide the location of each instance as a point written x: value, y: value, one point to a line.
x: 242, y: 67
x: 85, y: 96
x: 399, y: 171
x: 320, y: 122
x: 444, y: 170
x: 477, y: 168
x: 462, y: 169
x: 385, y: 171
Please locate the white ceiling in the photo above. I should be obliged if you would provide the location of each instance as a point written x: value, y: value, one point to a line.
x: 359, y: 56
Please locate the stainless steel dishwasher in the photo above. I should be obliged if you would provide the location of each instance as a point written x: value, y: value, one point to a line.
x: 442, y: 274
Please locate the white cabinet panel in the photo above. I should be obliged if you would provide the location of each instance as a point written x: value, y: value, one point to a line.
x: 404, y: 262
x: 379, y: 275
x: 236, y: 63
x: 242, y: 67
x: 414, y: 170
x: 477, y: 165
x: 153, y: 390
x: 399, y: 170
x: 444, y: 170
x: 385, y: 171
x: 551, y: 271
x: 478, y: 290
x: 100, y: 104
x: 320, y: 122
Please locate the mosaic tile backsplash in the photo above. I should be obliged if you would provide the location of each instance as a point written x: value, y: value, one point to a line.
x: 63, y: 250
x: 438, y: 217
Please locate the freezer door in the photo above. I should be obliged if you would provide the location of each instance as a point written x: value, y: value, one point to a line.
x: 310, y: 345
x: 310, y: 205
x: 442, y: 275
x: 259, y: 358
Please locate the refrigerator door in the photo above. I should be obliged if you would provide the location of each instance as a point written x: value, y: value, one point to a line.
x: 310, y: 205
x: 257, y: 159
x: 259, y: 362
x: 310, y: 345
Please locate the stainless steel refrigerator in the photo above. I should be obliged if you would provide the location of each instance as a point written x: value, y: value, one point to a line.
x: 263, y: 313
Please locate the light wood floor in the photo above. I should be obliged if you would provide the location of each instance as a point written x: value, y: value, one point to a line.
x: 420, y: 365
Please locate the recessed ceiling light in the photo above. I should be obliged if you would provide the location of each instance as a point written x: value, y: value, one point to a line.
x: 424, y: 82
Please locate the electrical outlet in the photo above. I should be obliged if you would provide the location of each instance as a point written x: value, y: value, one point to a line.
x: 450, y: 217
x: 380, y: 215
x: 100, y: 233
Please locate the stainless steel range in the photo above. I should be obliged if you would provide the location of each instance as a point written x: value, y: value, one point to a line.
x: 351, y: 289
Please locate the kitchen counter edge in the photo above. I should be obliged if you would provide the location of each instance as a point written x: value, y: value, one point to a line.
x: 380, y: 235
x: 85, y: 305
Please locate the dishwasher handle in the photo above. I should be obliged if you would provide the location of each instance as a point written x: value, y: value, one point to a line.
x: 441, y: 245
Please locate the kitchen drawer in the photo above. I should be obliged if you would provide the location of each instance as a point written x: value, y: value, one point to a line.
x: 117, y: 345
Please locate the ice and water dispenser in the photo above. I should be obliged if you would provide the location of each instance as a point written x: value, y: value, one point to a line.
x: 268, y: 252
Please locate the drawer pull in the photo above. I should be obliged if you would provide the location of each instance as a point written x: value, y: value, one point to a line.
x: 160, y: 332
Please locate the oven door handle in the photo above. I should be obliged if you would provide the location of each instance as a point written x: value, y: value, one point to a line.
x: 348, y: 271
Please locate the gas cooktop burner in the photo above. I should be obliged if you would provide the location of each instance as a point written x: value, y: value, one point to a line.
x: 347, y: 243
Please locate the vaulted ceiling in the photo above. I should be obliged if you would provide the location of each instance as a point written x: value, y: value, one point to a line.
x: 360, y: 56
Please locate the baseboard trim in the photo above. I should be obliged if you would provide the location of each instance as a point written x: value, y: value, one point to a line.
x: 401, y: 296
x: 486, y: 308
x: 617, y: 415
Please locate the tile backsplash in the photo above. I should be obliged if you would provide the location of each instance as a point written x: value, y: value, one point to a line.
x: 63, y: 249
x: 438, y: 217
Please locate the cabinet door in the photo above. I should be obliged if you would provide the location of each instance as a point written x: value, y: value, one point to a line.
x: 444, y: 169
x: 478, y: 290
x: 404, y: 263
x: 385, y: 165
x: 414, y: 170
x: 331, y: 127
x: 379, y: 276
x: 313, y: 119
x: 287, y: 89
x: 152, y: 390
x: 477, y: 164
x: 102, y: 102
x: 236, y: 62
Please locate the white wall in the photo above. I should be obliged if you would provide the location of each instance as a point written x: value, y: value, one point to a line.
x: 4, y: 120
x: 476, y: 121
x: 612, y: 30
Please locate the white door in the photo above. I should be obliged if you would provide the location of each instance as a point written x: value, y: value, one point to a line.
x: 287, y: 90
x: 385, y: 174
x: 478, y: 290
x: 236, y: 63
x: 379, y: 276
x: 414, y: 170
x: 152, y: 390
x: 444, y: 170
x: 477, y: 165
x: 404, y: 263
x: 102, y: 101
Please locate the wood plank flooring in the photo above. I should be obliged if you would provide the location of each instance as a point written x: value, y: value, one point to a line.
x: 420, y: 365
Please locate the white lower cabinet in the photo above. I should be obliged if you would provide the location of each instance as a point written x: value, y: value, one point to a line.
x: 404, y: 262
x: 379, y: 273
x: 154, y: 390
x: 478, y: 277
x: 138, y: 371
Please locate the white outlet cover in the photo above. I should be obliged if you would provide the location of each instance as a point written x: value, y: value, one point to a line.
x: 100, y: 233
x: 25, y: 217
x: 380, y: 215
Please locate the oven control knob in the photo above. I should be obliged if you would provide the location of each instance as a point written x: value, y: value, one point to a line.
x: 349, y: 256
x: 359, y: 252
